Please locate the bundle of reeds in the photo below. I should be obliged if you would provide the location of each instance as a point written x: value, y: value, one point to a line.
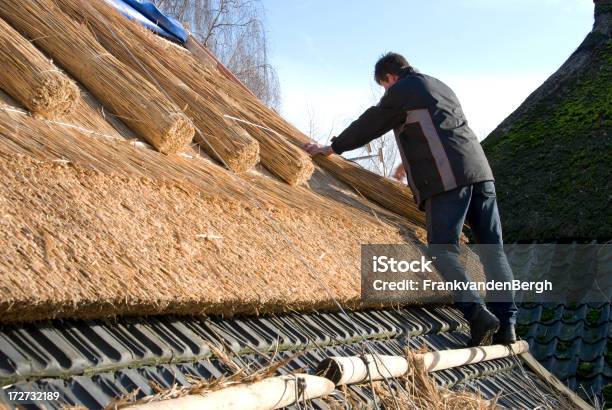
x: 30, y: 78
x: 91, y: 115
x: 141, y: 105
x: 224, y: 140
x: 278, y: 155
x: 390, y: 194
x: 210, y: 60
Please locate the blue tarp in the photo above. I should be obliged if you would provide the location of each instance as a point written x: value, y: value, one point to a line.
x: 147, y: 14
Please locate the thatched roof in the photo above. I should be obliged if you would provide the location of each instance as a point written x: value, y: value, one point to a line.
x: 551, y: 157
x: 96, y: 223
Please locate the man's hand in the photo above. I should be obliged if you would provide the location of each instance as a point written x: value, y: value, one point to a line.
x: 400, y: 172
x: 316, y: 149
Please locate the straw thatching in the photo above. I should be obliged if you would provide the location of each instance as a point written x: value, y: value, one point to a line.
x: 94, y: 224
x: 89, y: 114
x: 140, y: 105
x: 278, y: 155
x: 29, y: 77
x: 390, y: 194
x: 93, y: 227
x: 220, y: 138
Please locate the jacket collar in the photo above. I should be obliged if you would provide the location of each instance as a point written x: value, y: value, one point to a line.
x: 407, y: 71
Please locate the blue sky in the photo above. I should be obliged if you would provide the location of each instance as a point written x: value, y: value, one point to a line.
x: 493, y: 53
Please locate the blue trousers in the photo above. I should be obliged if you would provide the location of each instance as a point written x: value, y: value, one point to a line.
x: 475, y: 204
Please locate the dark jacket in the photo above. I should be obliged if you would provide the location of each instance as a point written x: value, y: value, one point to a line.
x: 438, y: 149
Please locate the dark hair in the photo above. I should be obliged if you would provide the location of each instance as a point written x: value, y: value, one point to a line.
x: 390, y: 63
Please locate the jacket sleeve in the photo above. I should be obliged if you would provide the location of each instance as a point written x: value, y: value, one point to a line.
x: 373, y: 123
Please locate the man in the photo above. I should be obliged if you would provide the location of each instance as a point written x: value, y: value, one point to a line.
x: 451, y: 181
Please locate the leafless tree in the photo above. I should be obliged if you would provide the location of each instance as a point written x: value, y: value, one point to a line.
x: 234, y: 31
x: 382, y: 154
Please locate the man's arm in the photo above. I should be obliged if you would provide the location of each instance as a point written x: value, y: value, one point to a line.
x: 372, y: 124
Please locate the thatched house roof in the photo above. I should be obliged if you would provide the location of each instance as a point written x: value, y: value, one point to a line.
x: 98, y: 226
x: 551, y: 157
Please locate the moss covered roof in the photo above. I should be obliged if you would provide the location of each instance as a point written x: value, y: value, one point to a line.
x: 551, y: 157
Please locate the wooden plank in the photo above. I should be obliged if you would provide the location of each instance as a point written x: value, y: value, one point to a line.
x: 541, y: 371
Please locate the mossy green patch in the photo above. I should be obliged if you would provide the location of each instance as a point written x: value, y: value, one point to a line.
x: 568, y: 316
x: 592, y: 318
x: 603, y: 8
x: 552, y: 163
x: 606, y: 393
x: 522, y: 329
x: 585, y: 368
x: 563, y: 346
x: 547, y: 314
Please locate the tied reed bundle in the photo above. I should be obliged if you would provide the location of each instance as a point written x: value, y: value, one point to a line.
x: 140, y: 105
x: 390, y: 194
x: 30, y: 78
x: 277, y: 154
x: 224, y: 140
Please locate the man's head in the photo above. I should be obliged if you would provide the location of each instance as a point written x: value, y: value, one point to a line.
x: 388, y: 69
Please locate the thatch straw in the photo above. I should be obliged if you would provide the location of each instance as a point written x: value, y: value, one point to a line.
x: 141, y: 106
x: 90, y: 114
x: 278, y: 155
x: 225, y: 140
x: 102, y: 228
x: 30, y: 78
x: 390, y: 194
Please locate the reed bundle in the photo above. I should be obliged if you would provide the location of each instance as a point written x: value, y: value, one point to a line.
x: 390, y: 194
x: 278, y: 155
x: 90, y: 115
x: 140, y: 105
x: 87, y: 116
x: 30, y: 78
x: 224, y: 140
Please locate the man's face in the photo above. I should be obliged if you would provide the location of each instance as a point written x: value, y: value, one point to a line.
x: 389, y: 81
